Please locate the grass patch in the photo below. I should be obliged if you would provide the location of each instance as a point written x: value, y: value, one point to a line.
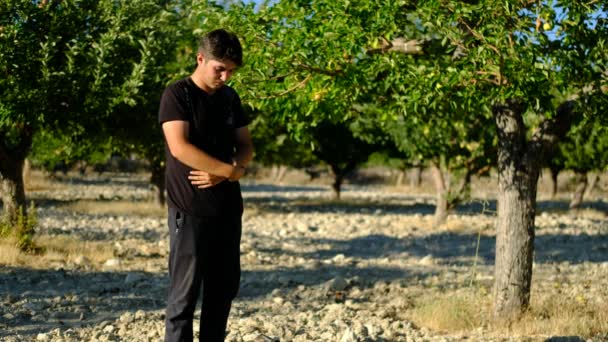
x: 548, y: 315
x: 54, y: 249
x: 38, y: 180
x: 150, y: 209
x: 451, y: 312
x: 562, y: 315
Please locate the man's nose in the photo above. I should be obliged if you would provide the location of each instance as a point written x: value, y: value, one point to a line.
x: 225, y: 76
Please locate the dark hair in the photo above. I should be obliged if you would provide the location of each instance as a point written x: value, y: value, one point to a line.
x: 221, y: 45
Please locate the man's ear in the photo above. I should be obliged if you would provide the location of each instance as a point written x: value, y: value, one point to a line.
x: 200, y: 58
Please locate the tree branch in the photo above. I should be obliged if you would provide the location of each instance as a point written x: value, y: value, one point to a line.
x: 479, y: 36
x: 401, y: 45
x: 287, y: 91
x: 552, y: 130
x: 336, y: 72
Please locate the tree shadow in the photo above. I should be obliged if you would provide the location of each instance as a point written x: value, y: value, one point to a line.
x: 287, y: 205
x: 105, y: 295
x: 452, y: 248
x: 79, y: 298
x: 276, y: 188
x: 74, y: 298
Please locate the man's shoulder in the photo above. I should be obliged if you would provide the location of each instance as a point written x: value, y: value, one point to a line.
x: 229, y: 92
x: 179, y: 85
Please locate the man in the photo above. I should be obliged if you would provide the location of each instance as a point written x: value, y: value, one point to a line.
x: 207, y: 149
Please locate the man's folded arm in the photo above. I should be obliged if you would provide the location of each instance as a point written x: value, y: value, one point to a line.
x: 176, y: 134
x: 244, y: 146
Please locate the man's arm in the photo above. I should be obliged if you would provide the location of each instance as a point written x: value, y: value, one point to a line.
x: 176, y: 133
x: 244, y: 146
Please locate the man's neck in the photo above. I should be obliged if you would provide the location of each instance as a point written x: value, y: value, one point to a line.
x: 200, y: 84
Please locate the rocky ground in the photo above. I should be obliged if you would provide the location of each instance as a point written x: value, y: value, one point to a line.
x: 313, y: 269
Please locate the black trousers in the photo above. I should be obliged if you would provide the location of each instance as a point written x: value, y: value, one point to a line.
x: 202, y: 251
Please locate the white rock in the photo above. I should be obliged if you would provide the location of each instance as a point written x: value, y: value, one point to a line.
x: 112, y: 263
x: 42, y: 337
x: 337, y: 284
x: 126, y: 317
x: 348, y: 336
x: 427, y: 260
x: 250, y: 337
x: 82, y: 260
x: 140, y: 314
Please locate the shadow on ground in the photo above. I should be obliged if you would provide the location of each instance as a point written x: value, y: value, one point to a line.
x: 90, y: 298
x: 450, y: 248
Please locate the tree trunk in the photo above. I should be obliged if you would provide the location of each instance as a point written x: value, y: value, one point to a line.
x: 12, y: 190
x: 579, y: 192
x: 280, y: 175
x: 157, y: 178
x: 337, y: 185
x: 516, y: 210
x: 592, y: 179
x: 27, y: 173
x: 416, y: 176
x: 441, y: 191
x: 554, y: 173
x: 400, y: 177
x: 519, y: 164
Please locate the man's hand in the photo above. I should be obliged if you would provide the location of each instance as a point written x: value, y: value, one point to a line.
x: 237, y: 172
x: 202, y: 179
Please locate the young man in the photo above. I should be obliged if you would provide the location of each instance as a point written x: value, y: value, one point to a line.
x: 207, y: 149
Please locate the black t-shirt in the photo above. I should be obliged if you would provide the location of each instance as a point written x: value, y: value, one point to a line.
x: 213, y: 119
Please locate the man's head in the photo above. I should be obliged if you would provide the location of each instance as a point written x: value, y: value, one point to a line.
x: 219, y: 54
x: 221, y: 45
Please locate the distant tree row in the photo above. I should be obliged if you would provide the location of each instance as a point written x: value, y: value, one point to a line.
x: 459, y: 87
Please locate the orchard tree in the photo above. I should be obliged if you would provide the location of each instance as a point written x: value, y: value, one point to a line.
x: 53, y: 152
x: 65, y: 67
x: 338, y: 147
x: 507, y: 44
x: 531, y: 64
x: 454, y: 145
x: 134, y: 124
x: 585, y: 151
x: 274, y: 146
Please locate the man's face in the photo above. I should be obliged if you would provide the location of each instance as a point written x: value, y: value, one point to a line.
x: 215, y: 73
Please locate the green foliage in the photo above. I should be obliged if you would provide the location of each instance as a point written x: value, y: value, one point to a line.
x: 336, y: 145
x: 52, y: 152
x: 585, y: 148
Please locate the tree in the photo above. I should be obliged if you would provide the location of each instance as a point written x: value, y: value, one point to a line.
x: 315, y: 61
x: 584, y: 151
x: 337, y: 145
x: 510, y: 50
x: 65, y: 67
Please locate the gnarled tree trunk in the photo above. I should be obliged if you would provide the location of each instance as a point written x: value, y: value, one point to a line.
x: 519, y: 165
x: 400, y: 177
x: 447, y: 198
x: 441, y: 193
x: 337, y: 185
x: 554, y: 171
x: 592, y: 179
x: 579, y: 192
x: 157, y: 179
x: 12, y: 189
x: 415, y: 176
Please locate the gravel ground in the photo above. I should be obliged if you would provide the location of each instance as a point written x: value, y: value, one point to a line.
x: 313, y: 269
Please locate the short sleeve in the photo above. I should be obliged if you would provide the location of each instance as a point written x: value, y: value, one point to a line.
x: 173, y: 105
x: 240, y: 119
